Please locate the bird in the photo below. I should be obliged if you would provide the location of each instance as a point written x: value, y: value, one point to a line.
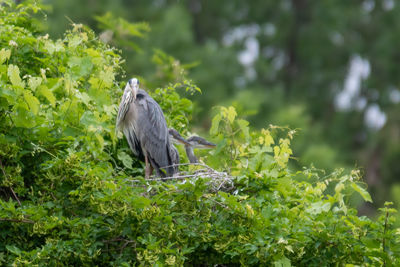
x: 196, y: 142
x: 190, y: 144
x: 174, y: 158
x: 142, y: 121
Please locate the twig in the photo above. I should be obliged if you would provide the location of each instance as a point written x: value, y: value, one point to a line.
x: 119, y: 239
x: 217, y: 202
x: 15, y: 196
x: 185, y: 164
x: 384, y: 233
x: 2, y: 168
x: 17, y: 220
x: 12, y: 191
x: 169, y: 178
x: 219, y: 180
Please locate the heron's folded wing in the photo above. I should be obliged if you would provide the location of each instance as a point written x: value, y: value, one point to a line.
x: 133, y: 141
x: 154, y: 131
x: 123, y: 108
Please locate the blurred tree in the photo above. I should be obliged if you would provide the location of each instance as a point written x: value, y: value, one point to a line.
x: 327, y: 67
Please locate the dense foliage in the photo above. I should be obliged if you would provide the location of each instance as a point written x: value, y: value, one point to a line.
x: 286, y: 62
x: 71, y: 194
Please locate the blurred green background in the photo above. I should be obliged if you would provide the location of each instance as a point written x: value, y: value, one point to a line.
x: 328, y: 68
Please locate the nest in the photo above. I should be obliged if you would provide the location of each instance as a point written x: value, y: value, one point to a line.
x: 218, y: 181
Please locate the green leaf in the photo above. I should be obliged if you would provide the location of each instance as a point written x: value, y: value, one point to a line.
x: 52, y: 47
x: 107, y: 77
x: 32, y: 102
x: 4, y: 55
x: 339, y: 187
x: 44, y: 91
x: 364, y: 193
x: 84, y: 97
x: 125, y: 158
x: 244, y: 126
x: 80, y: 66
x: 75, y: 41
x: 13, y: 249
x: 283, y: 262
x: 13, y: 74
x: 215, y: 124
x: 23, y: 118
x: 231, y: 114
x: 34, y: 82
x: 318, y: 207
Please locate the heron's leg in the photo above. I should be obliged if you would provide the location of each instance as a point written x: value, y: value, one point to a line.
x: 147, y: 168
x: 151, y: 169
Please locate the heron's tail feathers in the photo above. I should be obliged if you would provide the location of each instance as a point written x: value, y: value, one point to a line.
x: 157, y: 168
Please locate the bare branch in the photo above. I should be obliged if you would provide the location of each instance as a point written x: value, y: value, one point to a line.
x: 17, y: 220
x: 12, y: 191
x: 219, y: 180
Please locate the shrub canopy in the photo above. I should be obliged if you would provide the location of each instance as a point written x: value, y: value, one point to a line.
x: 72, y: 194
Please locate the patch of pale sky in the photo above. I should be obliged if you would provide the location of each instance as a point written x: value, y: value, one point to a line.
x: 394, y: 95
x: 374, y: 117
x: 250, y: 54
x: 368, y: 5
x: 388, y: 5
x: 359, y: 70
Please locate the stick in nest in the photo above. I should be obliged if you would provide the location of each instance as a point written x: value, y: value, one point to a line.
x: 219, y: 180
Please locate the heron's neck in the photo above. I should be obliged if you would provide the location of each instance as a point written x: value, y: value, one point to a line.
x: 190, y: 154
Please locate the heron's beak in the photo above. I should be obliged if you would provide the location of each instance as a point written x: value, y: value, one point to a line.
x: 177, y: 138
x: 135, y: 89
x: 182, y: 141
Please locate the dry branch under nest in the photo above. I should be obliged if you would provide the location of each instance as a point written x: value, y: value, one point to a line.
x: 220, y: 181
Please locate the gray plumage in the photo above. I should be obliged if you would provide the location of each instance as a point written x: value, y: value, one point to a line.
x: 190, y: 143
x: 175, y: 158
x: 142, y: 121
x: 199, y: 142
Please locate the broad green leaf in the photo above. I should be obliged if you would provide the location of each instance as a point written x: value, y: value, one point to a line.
x: 32, y: 102
x: 244, y: 126
x: 80, y: 66
x: 107, y: 77
x: 96, y: 57
x: 268, y: 140
x: 100, y: 140
x: 283, y: 262
x: 44, y: 91
x: 215, y: 124
x: 75, y: 41
x: 52, y: 47
x: 339, y: 187
x: 277, y: 150
x: 23, y: 118
x: 125, y: 158
x: 13, y: 74
x: 318, y: 207
x: 4, y: 55
x: 231, y: 114
x: 34, y: 82
x: 84, y: 97
x: 13, y: 249
x: 220, y: 146
x: 364, y: 193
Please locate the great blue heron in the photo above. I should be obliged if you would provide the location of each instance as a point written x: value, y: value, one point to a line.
x: 142, y: 121
x: 190, y: 144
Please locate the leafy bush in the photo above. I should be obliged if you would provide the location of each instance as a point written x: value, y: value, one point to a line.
x: 68, y: 196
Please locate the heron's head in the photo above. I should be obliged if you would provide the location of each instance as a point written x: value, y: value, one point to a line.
x: 133, y: 84
x: 199, y: 142
x: 176, y: 138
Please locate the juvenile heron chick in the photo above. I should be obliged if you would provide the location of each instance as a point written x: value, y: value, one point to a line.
x: 190, y: 144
